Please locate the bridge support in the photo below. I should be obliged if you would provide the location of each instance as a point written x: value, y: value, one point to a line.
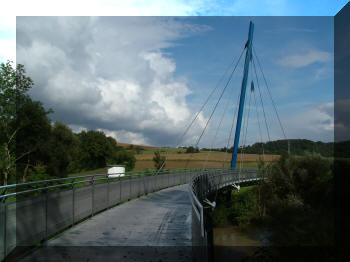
x: 243, y: 91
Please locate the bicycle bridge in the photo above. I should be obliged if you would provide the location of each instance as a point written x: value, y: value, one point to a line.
x: 89, y: 217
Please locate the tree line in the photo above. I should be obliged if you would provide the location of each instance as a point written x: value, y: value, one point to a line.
x: 32, y: 147
x: 280, y: 147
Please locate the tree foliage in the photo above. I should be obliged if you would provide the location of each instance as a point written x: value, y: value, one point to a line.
x: 297, y: 199
x: 32, y: 137
x: 297, y: 147
x: 159, y: 161
x: 64, y: 151
x: 32, y: 148
x: 192, y: 149
x: 14, y: 85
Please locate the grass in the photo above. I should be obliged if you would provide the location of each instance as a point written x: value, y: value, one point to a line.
x: 205, y: 159
x: 90, y: 172
x: 184, y: 164
x: 238, y: 211
x: 171, y: 154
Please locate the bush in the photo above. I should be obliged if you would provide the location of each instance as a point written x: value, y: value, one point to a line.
x: 297, y: 196
x: 159, y: 161
x: 192, y: 149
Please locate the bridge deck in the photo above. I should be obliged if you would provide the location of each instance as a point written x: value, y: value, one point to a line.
x: 157, y: 225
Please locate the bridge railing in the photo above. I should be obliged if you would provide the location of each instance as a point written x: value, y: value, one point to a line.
x: 32, y: 212
x: 201, y: 185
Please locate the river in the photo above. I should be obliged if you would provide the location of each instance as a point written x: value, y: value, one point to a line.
x: 233, y: 244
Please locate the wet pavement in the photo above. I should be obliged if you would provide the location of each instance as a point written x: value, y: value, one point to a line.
x: 156, y: 227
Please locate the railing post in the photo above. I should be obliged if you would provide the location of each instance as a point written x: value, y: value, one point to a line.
x: 46, y: 211
x: 140, y: 180
x: 73, y: 203
x: 120, y: 189
x: 129, y: 188
x: 138, y: 185
x: 5, y: 226
x: 92, y: 195
x: 107, y: 192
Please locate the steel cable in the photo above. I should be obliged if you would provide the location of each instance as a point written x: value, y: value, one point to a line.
x: 268, y: 89
x: 202, y: 107
x: 214, y: 109
x: 262, y: 104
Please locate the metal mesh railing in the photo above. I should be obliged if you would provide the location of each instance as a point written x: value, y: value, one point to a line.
x: 201, y: 185
x: 32, y: 212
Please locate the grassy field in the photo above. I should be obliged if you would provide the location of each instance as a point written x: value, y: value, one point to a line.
x: 177, y: 159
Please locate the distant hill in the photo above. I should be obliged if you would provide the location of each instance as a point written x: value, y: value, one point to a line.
x: 132, y: 145
x: 297, y: 147
x: 278, y: 147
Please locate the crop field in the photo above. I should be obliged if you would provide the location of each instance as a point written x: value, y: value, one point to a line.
x: 147, y: 164
x: 178, y: 159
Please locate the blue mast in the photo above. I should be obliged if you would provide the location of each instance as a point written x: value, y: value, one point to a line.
x: 248, y: 56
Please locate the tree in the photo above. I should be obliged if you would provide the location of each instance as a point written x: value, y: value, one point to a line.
x: 159, y: 161
x: 297, y: 195
x: 94, y: 149
x: 14, y: 85
x: 192, y: 149
x: 64, y: 146
x: 32, y: 138
x: 123, y: 157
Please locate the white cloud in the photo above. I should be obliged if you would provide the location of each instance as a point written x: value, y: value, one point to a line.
x: 7, y: 50
x: 109, y: 73
x: 130, y: 137
x: 316, y: 122
x: 305, y: 59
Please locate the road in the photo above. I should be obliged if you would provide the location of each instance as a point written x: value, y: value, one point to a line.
x: 156, y: 227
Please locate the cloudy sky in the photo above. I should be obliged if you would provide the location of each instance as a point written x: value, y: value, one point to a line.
x: 141, y: 79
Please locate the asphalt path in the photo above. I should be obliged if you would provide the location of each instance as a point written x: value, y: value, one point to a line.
x: 156, y: 227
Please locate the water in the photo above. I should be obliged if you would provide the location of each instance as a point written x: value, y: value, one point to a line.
x: 233, y: 236
x: 234, y: 244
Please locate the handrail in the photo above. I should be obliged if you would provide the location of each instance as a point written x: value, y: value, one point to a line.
x: 204, y: 183
x: 99, y: 192
x: 71, y: 181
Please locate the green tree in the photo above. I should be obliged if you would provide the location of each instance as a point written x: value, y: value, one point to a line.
x: 159, y: 161
x: 297, y: 195
x: 32, y: 138
x: 64, y: 146
x: 123, y: 157
x: 94, y: 149
x: 192, y: 149
x: 14, y: 85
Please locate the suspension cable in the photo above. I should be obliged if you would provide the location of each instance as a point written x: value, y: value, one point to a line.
x: 218, y: 101
x: 228, y: 142
x: 219, y: 126
x: 262, y: 104
x: 201, y: 109
x: 245, y: 133
x: 268, y: 89
x: 214, y: 109
x: 231, y: 132
x: 260, y: 133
